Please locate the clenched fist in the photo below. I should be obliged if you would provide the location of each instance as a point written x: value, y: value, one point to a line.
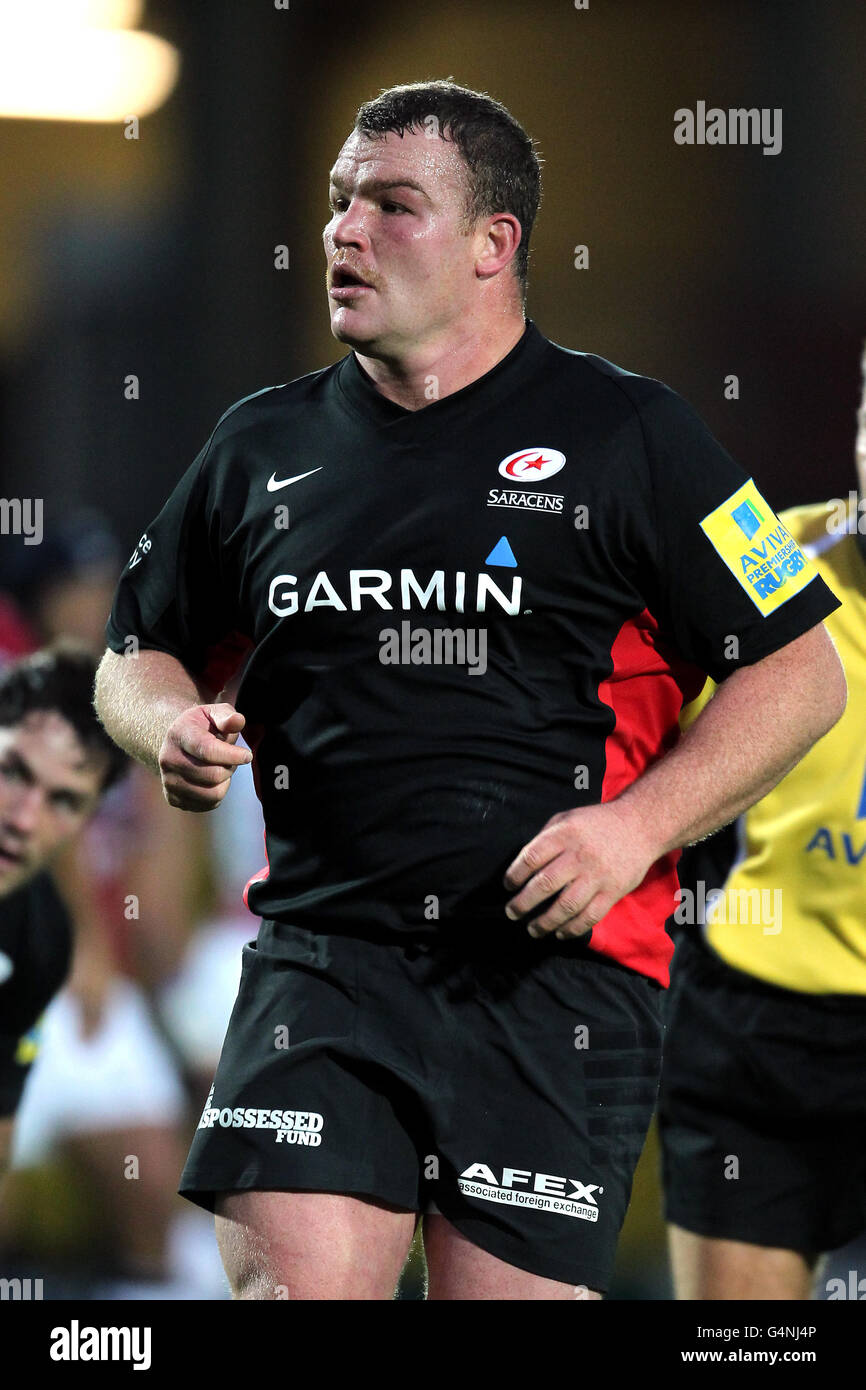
x: 198, y: 757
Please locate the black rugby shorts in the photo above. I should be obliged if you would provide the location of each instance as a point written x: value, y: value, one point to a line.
x: 504, y: 1082
x: 762, y: 1112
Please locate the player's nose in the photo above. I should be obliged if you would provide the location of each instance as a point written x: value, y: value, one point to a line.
x: 348, y: 229
x: 22, y: 815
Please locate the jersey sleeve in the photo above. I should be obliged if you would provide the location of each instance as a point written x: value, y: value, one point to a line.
x: 731, y: 583
x: 172, y: 595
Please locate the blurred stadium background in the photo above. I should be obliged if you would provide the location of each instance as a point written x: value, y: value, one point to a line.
x: 153, y: 258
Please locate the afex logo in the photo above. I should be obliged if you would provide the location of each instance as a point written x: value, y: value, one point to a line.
x: 521, y: 1187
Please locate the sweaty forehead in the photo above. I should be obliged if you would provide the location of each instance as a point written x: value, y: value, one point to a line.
x: 434, y: 164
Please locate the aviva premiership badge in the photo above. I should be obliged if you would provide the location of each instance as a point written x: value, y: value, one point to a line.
x: 758, y: 550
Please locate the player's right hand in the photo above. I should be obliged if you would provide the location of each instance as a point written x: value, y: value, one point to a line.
x: 198, y: 757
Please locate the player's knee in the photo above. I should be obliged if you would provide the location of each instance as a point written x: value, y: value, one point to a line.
x: 251, y: 1282
x: 245, y: 1260
x: 249, y: 1273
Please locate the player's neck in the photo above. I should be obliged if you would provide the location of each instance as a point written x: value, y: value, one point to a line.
x: 440, y: 369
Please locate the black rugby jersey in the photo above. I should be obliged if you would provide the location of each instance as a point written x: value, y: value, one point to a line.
x: 35, y: 952
x: 459, y: 621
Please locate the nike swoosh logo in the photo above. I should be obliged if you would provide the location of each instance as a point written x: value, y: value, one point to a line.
x: 273, y: 485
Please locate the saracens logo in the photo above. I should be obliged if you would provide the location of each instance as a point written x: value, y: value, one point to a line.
x: 532, y: 465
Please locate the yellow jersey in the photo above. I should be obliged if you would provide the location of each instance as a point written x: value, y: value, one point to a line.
x: 793, y: 908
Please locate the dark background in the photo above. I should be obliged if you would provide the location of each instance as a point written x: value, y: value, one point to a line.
x: 156, y: 256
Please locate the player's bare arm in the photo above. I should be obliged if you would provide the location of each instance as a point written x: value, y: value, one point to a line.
x: 160, y: 714
x: 760, y: 723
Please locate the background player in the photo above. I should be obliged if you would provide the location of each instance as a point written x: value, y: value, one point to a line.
x: 108, y: 1082
x: 763, y: 1098
x: 55, y: 764
x: 413, y: 783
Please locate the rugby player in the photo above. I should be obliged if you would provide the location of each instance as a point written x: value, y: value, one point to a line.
x: 763, y: 1097
x: 453, y: 1003
x: 55, y: 763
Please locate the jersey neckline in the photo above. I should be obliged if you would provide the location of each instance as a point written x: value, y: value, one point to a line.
x: 358, y: 390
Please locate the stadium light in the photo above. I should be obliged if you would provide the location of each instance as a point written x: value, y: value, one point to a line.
x: 55, y: 65
x: 69, y: 14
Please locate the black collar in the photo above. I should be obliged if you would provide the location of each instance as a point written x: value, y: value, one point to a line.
x: 497, y: 384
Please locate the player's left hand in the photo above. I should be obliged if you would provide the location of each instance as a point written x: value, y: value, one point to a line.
x: 590, y: 857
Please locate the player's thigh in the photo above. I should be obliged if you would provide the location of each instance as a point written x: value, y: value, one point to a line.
x: 311, y: 1245
x: 457, y: 1269
x: 705, y: 1267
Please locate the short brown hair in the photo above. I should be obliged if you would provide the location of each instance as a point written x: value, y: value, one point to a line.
x: 503, y: 168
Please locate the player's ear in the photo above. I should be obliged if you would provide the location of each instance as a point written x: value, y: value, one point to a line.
x: 499, y: 239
